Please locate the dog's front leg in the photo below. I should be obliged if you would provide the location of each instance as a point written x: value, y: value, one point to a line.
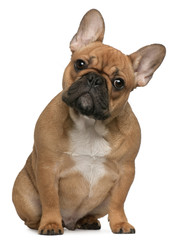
x: 117, y: 217
x: 47, y: 182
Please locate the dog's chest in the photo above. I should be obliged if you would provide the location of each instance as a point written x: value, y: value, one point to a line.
x: 88, y: 149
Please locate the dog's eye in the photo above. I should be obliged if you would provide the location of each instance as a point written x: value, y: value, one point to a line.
x: 118, y: 83
x: 80, y: 65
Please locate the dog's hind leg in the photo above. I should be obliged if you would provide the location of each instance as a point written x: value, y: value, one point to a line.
x: 89, y: 223
x: 26, y: 200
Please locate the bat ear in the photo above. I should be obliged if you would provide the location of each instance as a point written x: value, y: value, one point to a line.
x: 91, y: 29
x: 146, y: 61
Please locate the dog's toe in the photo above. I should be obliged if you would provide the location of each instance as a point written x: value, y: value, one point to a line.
x: 123, y: 228
x: 51, y: 229
x: 88, y: 223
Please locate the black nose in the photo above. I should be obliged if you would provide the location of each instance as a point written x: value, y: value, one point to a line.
x: 94, y: 79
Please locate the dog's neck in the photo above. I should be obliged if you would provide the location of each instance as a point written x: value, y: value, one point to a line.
x: 82, y: 122
x: 87, y: 137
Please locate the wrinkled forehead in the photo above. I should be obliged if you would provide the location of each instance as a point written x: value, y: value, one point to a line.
x: 106, y: 60
x: 103, y: 57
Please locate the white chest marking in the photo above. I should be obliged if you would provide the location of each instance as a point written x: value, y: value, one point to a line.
x: 88, y: 148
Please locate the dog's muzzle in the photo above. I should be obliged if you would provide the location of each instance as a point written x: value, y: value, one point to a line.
x: 89, y: 96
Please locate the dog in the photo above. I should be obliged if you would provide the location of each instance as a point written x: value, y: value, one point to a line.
x: 87, y: 138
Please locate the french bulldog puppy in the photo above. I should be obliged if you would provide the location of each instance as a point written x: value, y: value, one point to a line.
x: 87, y: 138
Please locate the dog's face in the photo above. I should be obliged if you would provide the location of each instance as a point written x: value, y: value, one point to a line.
x: 98, y: 80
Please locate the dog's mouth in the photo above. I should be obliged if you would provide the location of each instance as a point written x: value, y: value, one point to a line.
x: 89, y: 96
x: 85, y: 104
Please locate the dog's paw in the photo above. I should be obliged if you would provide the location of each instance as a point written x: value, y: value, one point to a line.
x: 123, y: 227
x: 89, y: 223
x: 51, y: 229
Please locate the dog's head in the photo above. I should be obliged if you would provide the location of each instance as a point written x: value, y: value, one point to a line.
x: 98, y: 80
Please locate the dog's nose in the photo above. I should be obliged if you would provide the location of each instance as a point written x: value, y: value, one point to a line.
x: 94, y: 80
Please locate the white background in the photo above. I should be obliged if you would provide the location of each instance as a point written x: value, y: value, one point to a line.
x: 34, y: 50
